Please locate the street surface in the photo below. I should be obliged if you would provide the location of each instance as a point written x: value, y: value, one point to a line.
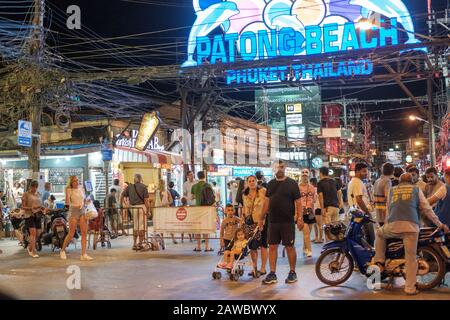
x: 176, y: 273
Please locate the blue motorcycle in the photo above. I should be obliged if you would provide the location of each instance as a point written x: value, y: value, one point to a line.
x: 337, y: 261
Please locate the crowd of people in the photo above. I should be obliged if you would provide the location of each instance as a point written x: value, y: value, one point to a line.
x: 262, y: 215
x: 400, y: 201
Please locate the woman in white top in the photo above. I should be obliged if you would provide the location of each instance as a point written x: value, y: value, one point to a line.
x: 164, y: 199
x: 76, y: 201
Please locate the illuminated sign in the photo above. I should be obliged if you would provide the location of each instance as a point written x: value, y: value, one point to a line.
x: 294, y: 122
x: 129, y: 141
x: 258, y: 29
x: 149, y: 125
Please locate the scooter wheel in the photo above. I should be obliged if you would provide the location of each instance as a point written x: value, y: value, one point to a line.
x: 214, y: 275
x: 218, y: 275
x: 327, y: 264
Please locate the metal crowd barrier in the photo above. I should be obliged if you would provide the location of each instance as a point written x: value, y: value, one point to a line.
x: 151, y: 241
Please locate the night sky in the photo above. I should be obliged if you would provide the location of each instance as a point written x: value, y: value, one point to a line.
x: 113, y: 18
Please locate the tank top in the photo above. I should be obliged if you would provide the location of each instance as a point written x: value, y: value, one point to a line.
x: 76, y: 197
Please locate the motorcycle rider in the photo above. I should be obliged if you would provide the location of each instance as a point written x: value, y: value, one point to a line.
x: 404, y: 204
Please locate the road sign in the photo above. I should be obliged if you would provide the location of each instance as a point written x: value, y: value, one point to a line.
x: 24, y: 133
x: 107, y: 154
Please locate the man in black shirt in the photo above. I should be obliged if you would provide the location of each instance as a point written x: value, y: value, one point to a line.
x: 285, y: 210
x: 330, y: 196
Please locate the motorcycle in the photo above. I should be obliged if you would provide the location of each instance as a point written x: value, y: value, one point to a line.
x: 17, y: 218
x: 55, y: 229
x: 336, y: 263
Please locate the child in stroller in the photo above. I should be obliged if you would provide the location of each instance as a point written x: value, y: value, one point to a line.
x: 234, y: 256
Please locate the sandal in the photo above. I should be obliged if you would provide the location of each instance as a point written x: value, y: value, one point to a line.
x: 209, y: 250
x: 262, y: 273
x: 197, y: 250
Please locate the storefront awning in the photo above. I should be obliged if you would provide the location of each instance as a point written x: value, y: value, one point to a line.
x: 124, y: 154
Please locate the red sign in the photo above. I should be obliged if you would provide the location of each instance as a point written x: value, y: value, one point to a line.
x: 181, y: 214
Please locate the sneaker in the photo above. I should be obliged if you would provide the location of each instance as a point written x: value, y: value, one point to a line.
x: 85, y: 257
x: 62, y: 254
x: 271, y: 278
x: 292, y: 277
x: 33, y: 255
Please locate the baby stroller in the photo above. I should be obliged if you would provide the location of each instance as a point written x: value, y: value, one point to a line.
x: 99, y: 228
x: 240, y: 262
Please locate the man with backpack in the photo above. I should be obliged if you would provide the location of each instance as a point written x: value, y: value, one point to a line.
x: 204, y: 195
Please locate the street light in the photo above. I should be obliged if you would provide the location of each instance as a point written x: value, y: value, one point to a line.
x: 414, y: 118
x: 397, y: 146
x: 418, y: 143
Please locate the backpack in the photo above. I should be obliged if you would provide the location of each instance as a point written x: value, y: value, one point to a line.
x: 208, y: 196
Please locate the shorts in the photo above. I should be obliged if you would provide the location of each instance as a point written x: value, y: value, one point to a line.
x: 283, y: 233
x: 227, y: 244
x: 140, y: 217
x: 33, y: 222
x: 114, y: 217
x: 318, y: 212
x: 75, y: 213
x: 331, y: 215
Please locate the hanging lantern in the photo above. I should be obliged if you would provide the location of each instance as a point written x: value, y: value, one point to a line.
x: 149, y: 126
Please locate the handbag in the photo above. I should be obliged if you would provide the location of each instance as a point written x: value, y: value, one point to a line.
x: 309, y: 212
x: 91, y: 211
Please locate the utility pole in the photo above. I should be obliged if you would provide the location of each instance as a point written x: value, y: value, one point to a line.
x: 431, y: 135
x: 36, y: 50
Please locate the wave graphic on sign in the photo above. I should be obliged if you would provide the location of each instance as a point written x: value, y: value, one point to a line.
x: 240, y: 16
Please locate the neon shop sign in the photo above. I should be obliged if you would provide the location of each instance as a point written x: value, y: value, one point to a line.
x: 259, y: 30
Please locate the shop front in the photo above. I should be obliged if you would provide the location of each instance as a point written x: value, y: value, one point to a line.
x: 154, y: 166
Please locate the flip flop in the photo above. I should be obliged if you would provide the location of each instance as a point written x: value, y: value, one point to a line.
x: 197, y: 250
x: 209, y: 250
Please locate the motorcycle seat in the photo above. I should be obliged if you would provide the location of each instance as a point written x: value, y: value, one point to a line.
x: 426, y: 232
x: 393, y: 240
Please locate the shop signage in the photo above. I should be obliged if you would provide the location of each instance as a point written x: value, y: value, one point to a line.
x: 293, y: 155
x: 394, y: 157
x: 317, y: 162
x: 248, y: 171
x: 130, y: 142
x: 259, y: 30
x: 294, y: 120
x: 24, y: 133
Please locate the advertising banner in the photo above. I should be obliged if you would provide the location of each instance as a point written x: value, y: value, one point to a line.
x: 196, y: 219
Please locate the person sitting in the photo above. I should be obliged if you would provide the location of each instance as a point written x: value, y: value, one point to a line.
x: 404, y: 204
x: 50, y: 203
x: 239, y: 244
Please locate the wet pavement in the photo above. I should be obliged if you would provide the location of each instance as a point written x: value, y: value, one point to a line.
x: 175, y: 273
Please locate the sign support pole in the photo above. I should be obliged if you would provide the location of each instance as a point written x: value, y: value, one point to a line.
x: 36, y: 109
